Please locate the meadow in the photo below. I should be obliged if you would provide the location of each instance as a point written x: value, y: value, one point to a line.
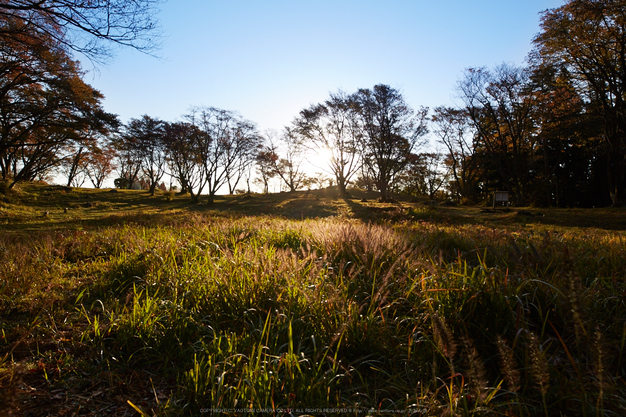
x: 118, y: 303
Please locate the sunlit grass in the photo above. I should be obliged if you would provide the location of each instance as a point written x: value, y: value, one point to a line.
x: 203, y: 310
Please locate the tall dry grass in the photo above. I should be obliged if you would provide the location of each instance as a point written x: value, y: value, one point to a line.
x: 265, y: 313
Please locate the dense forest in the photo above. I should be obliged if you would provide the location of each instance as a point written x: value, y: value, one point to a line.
x: 551, y: 132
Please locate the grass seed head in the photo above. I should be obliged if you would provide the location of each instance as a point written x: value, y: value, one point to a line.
x: 539, y: 364
x: 444, y: 338
x: 476, y: 369
x: 508, y: 365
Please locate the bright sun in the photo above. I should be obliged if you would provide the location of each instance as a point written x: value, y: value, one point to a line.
x: 320, y: 160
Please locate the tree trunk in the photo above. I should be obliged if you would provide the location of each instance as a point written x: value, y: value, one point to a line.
x: 74, y: 167
x: 341, y: 186
x: 617, y: 179
x: 194, y: 197
x: 616, y: 164
x: 382, y: 186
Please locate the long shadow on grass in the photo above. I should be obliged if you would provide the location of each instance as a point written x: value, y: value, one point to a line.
x: 605, y: 218
x: 296, y: 205
x: 376, y: 214
x: 166, y: 218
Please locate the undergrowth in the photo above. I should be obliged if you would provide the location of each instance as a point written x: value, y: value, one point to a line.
x: 258, y: 313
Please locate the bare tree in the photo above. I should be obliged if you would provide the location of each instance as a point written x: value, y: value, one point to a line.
x: 266, y: 160
x: 244, y: 144
x: 224, y: 141
x: 141, y: 150
x: 454, y: 130
x: 84, y: 26
x: 331, y: 126
x: 290, y: 168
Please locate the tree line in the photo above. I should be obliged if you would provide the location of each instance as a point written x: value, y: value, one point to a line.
x: 551, y: 132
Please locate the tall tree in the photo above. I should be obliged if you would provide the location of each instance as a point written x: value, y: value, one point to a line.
x: 588, y: 39
x: 331, y: 127
x: 75, y: 164
x: 266, y: 160
x: 44, y: 106
x: 181, y: 140
x: 425, y: 174
x: 390, y: 132
x: 100, y: 163
x: 569, y: 135
x: 500, y: 108
x: 143, y: 138
x: 436, y: 174
x: 224, y: 140
x: 129, y: 160
x: 454, y: 130
x: 244, y: 144
x: 290, y: 168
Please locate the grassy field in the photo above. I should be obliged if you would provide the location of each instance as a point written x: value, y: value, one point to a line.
x: 118, y: 303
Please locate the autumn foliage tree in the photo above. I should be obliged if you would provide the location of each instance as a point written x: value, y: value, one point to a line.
x: 45, y: 106
x: 587, y: 39
x: 50, y: 116
x: 74, y: 165
x: 76, y: 156
x: 500, y: 108
x: 571, y: 164
x: 100, y: 164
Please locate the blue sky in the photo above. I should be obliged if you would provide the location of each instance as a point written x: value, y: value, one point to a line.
x: 269, y: 59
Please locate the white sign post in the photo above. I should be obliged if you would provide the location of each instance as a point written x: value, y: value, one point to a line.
x: 501, y: 198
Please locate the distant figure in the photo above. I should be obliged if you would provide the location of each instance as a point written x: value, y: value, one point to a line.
x: 65, y: 210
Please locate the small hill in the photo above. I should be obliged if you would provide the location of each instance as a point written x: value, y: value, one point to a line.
x: 36, y: 206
